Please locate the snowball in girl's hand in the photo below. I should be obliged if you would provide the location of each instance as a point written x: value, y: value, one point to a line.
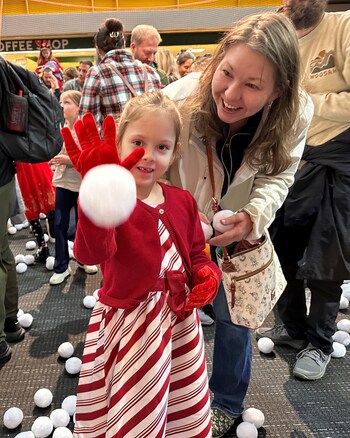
x: 223, y: 214
x: 13, y: 417
x: 108, y: 195
x: 207, y: 230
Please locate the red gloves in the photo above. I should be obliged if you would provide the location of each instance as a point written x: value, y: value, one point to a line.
x: 95, y: 151
x: 205, y: 289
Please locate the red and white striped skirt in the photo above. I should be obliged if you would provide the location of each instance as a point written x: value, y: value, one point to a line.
x: 143, y: 374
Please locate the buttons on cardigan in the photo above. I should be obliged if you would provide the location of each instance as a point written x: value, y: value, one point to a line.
x: 161, y: 211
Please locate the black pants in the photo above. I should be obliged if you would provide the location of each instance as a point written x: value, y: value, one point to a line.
x: 319, y: 325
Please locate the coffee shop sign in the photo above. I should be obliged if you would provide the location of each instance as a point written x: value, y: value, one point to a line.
x: 30, y: 45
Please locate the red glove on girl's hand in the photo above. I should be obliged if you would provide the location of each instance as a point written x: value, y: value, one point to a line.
x: 95, y: 151
x: 205, y: 289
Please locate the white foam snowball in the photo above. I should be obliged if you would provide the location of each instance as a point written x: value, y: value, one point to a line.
x: 73, y: 365
x: 89, y: 301
x: 11, y: 230
x: 96, y: 294
x: 42, y: 427
x: 255, y: 416
x: 70, y: 244
x: 21, y: 268
x: 30, y: 245
x: 27, y: 434
x: 108, y: 195
x: 25, y: 320
x: 346, y: 290
x: 59, y: 418
x: 339, y: 350
x: 341, y: 337
x: 19, y: 258
x: 71, y: 253
x: 65, y: 350
x: 42, y: 216
x: 13, y: 417
x: 69, y: 404
x: 18, y: 227
x: 29, y: 259
x: 265, y: 345
x: 344, y: 324
x: 50, y: 261
x: 62, y: 432
x: 46, y: 237
x: 207, y: 230
x: 343, y: 303
x: 20, y: 312
x: 223, y: 214
x: 25, y: 224
x: 43, y: 398
x: 246, y: 430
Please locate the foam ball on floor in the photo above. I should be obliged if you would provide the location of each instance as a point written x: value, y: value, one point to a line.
x: 266, y: 345
x: 254, y: 416
x: 246, y: 430
x: 11, y: 230
x: 27, y: 434
x: 223, y: 214
x: 344, y: 324
x: 20, y: 312
x: 73, y: 365
x: 19, y: 258
x: 50, y: 261
x: 25, y: 320
x: 339, y: 350
x: 59, y: 418
x: 62, y: 432
x: 18, y: 227
x: 343, y: 303
x: 21, y: 268
x: 341, y: 337
x: 207, y: 230
x: 42, y: 427
x: 346, y: 290
x: 108, y: 195
x: 70, y: 244
x: 46, y: 237
x: 89, y: 301
x: 69, y: 404
x: 65, y: 350
x: 30, y: 245
x: 13, y: 417
x: 29, y: 259
x: 96, y: 294
x: 70, y: 253
x: 43, y: 398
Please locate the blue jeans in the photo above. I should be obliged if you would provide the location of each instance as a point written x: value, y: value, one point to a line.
x: 232, y: 360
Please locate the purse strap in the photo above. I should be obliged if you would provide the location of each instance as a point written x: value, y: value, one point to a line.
x: 127, y: 83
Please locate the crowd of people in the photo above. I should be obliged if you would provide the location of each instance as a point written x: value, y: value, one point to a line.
x: 268, y: 111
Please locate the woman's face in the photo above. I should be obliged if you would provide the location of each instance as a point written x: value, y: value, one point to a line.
x: 185, y: 67
x: 243, y: 83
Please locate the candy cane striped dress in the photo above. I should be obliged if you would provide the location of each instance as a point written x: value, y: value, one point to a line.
x: 144, y: 371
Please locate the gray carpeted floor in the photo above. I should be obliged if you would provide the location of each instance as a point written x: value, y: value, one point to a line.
x: 292, y: 408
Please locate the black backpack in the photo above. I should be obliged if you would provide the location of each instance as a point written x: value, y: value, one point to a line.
x: 30, y: 116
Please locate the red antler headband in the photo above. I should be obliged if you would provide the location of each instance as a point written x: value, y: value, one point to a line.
x: 42, y: 44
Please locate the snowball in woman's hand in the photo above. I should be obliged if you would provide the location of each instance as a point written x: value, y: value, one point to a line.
x: 73, y: 365
x: 265, y: 345
x: 50, y: 262
x: 344, y: 324
x: 65, y: 350
x: 13, y: 417
x: 254, y: 416
x: 69, y: 404
x: 30, y: 245
x: 223, y: 214
x: 59, y: 418
x: 21, y: 268
x: 246, y: 430
x: 25, y: 320
x: 42, y: 427
x: 43, y: 398
x: 207, y: 230
x: 108, y: 195
x: 62, y: 432
x: 89, y: 301
x: 339, y: 350
x: 19, y: 258
x: 29, y: 259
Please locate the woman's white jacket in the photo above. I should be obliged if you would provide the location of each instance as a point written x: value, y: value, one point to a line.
x: 256, y: 193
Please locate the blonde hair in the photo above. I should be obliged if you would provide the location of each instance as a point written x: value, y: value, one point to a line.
x: 166, y: 62
x: 273, y: 36
x: 73, y: 95
x: 147, y: 103
x: 142, y: 32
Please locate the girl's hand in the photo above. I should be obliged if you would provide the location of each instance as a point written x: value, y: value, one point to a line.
x: 242, y: 227
x: 61, y: 159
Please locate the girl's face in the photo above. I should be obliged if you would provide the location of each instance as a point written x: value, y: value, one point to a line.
x: 45, y: 53
x: 70, y: 109
x: 185, y: 67
x: 155, y: 132
x: 243, y: 83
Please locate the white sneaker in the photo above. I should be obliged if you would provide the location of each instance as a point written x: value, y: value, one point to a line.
x: 89, y: 269
x: 58, y: 278
x: 205, y: 319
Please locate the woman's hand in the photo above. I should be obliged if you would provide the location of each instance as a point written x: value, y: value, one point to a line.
x: 60, y: 159
x: 242, y: 227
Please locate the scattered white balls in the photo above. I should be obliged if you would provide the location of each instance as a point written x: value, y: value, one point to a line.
x: 46, y: 237
x: 346, y: 290
x: 21, y: 268
x: 266, y: 345
x: 29, y: 259
x: 69, y: 404
x: 89, y: 301
x: 344, y: 325
x: 207, y: 230
x: 73, y: 365
x: 96, y: 294
x: 13, y: 417
x: 43, y: 398
x: 27, y: 434
x: 254, y: 416
x: 65, y: 350
x: 20, y: 312
x: 246, y: 430
x: 341, y: 337
x: 62, y: 432
x: 30, y: 245
x: 71, y: 253
x: 70, y: 244
x: 12, y: 230
x: 223, y: 214
x: 339, y: 350
x: 19, y: 258
x: 18, y: 227
x: 25, y: 320
x: 42, y: 427
x: 343, y: 303
x: 108, y: 195
x: 59, y: 418
x: 50, y: 261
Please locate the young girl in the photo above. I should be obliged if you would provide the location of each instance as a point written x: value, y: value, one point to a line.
x: 144, y: 371
x: 46, y: 59
x: 67, y: 182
